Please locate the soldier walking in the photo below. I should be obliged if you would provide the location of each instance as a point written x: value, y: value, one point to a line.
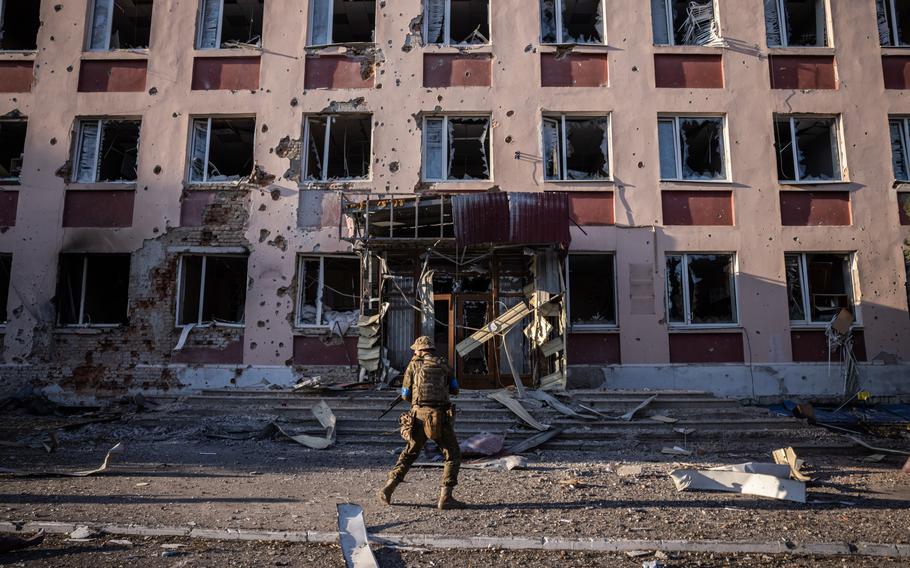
x: 427, y: 384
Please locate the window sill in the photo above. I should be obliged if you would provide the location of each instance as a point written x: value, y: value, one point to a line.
x: 818, y: 326
x: 898, y: 184
x: 18, y: 55
x: 715, y: 328
x: 348, y: 49
x: 575, y: 47
x: 118, y: 54
x: 587, y: 183
x: 801, y: 50
x: 85, y: 329
x: 814, y: 184
x: 322, y: 331
x: 209, y: 186
x: 895, y: 49
x: 594, y: 329
x: 10, y: 182
x: 338, y: 184
x: 687, y: 49
x: 239, y: 51
x: 458, y: 185
x: 688, y: 183
x: 211, y: 325
x: 130, y: 186
x: 454, y: 49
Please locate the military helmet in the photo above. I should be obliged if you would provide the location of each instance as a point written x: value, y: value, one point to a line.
x: 423, y: 343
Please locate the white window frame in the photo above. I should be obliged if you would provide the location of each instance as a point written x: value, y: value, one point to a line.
x: 81, y: 318
x: 301, y: 288
x: 445, y: 148
x: 593, y: 326
x: 782, y: 16
x: 904, y: 124
x: 838, y: 139
x: 687, y: 308
x: 804, y: 288
x: 91, y: 25
x: 671, y: 32
x: 558, y: 16
x: 563, y: 145
x: 323, y: 175
x: 77, y: 147
x: 179, y: 302
x: 200, y: 25
x: 677, y: 149
x: 208, y: 148
x: 892, y: 25
x: 447, y: 26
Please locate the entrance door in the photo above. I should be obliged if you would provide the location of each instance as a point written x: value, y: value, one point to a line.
x: 477, y: 369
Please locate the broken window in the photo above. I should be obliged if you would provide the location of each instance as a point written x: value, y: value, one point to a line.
x: 221, y: 149
x: 576, y: 148
x: 692, y: 148
x: 893, y: 22
x: 338, y: 147
x: 212, y: 289
x: 701, y: 289
x: 342, y: 21
x: 119, y: 24
x: 19, y: 23
x: 456, y: 22
x: 12, y: 149
x: 106, y: 151
x: 572, y: 21
x: 818, y: 286
x: 93, y: 289
x: 796, y: 23
x: 592, y: 290
x: 456, y: 148
x: 6, y: 265
x: 685, y: 22
x: 900, y: 146
x: 328, y: 291
x: 807, y: 149
x: 229, y: 23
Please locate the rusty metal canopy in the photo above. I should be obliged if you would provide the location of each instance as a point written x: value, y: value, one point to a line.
x: 511, y: 217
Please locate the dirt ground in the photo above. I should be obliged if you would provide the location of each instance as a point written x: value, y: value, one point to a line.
x: 174, y: 475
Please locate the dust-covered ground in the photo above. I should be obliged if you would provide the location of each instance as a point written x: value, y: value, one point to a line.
x: 174, y: 475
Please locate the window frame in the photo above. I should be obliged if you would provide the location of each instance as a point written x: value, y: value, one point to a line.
x: 77, y: 149
x: 677, y: 148
x: 838, y: 151
x: 330, y: 27
x: 92, y: 4
x: 445, y: 147
x: 891, y: 20
x: 904, y: 125
x: 200, y: 21
x: 687, y: 308
x: 301, y: 288
x: 208, y: 147
x: 558, y: 23
x: 4, y: 310
x: 783, y: 15
x: 24, y: 120
x: 305, y: 159
x: 447, y: 27
x: 582, y: 327
x: 179, y: 303
x: 808, y: 322
x: 85, y: 256
x: 563, y: 144
x: 671, y: 33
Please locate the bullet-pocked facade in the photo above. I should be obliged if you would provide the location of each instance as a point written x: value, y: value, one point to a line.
x: 214, y: 193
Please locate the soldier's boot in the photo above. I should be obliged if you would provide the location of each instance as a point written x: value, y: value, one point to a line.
x: 446, y: 501
x: 385, y: 494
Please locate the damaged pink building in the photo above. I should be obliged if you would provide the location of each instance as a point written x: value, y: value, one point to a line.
x: 571, y: 193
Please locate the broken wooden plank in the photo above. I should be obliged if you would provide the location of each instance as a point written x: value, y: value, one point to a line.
x: 552, y: 347
x: 353, y: 535
x: 787, y: 456
x: 498, y: 326
x: 553, y: 381
x: 736, y: 482
x: 506, y: 400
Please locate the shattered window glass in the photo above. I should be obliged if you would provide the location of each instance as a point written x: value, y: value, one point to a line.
x: 309, y: 291
x: 516, y: 342
x: 799, y: 23
x: 666, y: 131
x: 466, y: 151
x: 342, y: 21
x: 474, y: 316
x: 223, y: 280
x: 548, y: 32
x: 433, y: 158
x: 238, y: 25
x: 551, y: 149
x: 19, y: 23
x: 592, y: 299
x: 711, y: 297
x: 468, y: 24
x: 87, y: 154
x: 794, y: 287
x: 675, y: 302
x: 12, y: 148
x: 120, y: 24
x: 101, y: 15
x: 230, y: 149
x: 434, y: 14
x: 199, y: 149
x: 695, y: 152
x: 329, y: 291
x: 572, y: 21
x: 684, y: 22
x: 773, y: 23
x: 816, y: 149
x: 316, y: 127
x: 93, y: 289
x: 783, y: 148
x: 209, y: 20
x: 829, y: 286
x: 898, y: 129
x: 586, y: 144
x: 344, y: 154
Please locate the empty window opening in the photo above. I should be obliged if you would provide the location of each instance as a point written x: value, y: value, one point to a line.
x: 900, y: 146
x: 893, y: 22
x: 592, y: 290
x: 6, y: 266
x: 329, y: 291
x: 342, y: 21
x: 222, y: 149
x: 229, y: 23
x: 212, y: 289
x: 19, y: 23
x: 338, y: 147
x: 119, y: 24
x: 576, y: 148
x: 572, y: 21
x: 692, y: 148
x: 807, y: 149
x: 93, y: 289
x: 701, y: 289
x: 12, y: 149
x: 106, y: 151
x: 456, y: 148
x: 685, y: 22
x: 796, y: 23
x: 456, y: 22
x: 819, y: 286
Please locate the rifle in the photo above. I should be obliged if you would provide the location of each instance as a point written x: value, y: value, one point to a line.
x: 389, y: 408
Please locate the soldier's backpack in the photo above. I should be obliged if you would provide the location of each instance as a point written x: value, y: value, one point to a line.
x: 431, y: 382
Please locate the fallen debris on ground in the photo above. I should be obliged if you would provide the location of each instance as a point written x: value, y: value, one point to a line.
x: 11, y: 543
x: 534, y: 441
x: 483, y: 444
x: 353, y: 536
x: 737, y: 482
x: 117, y: 449
x: 628, y: 416
x: 505, y: 399
x: 788, y: 457
x: 326, y: 417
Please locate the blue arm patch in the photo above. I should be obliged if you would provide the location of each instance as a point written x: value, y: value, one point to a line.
x: 405, y: 393
x: 453, y: 384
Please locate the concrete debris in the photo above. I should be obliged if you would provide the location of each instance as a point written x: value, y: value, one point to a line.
x: 83, y: 532
x: 676, y: 451
x: 628, y: 416
x: 11, y: 543
x: 116, y: 450
x: 638, y: 553
x: 503, y: 397
x: 483, y: 444
x: 651, y: 564
x: 662, y: 418
x: 684, y: 431
x: 738, y: 482
x: 507, y: 463
x: 788, y: 456
x: 119, y: 542
x: 353, y: 535
x: 629, y: 470
x: 874, y: 458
